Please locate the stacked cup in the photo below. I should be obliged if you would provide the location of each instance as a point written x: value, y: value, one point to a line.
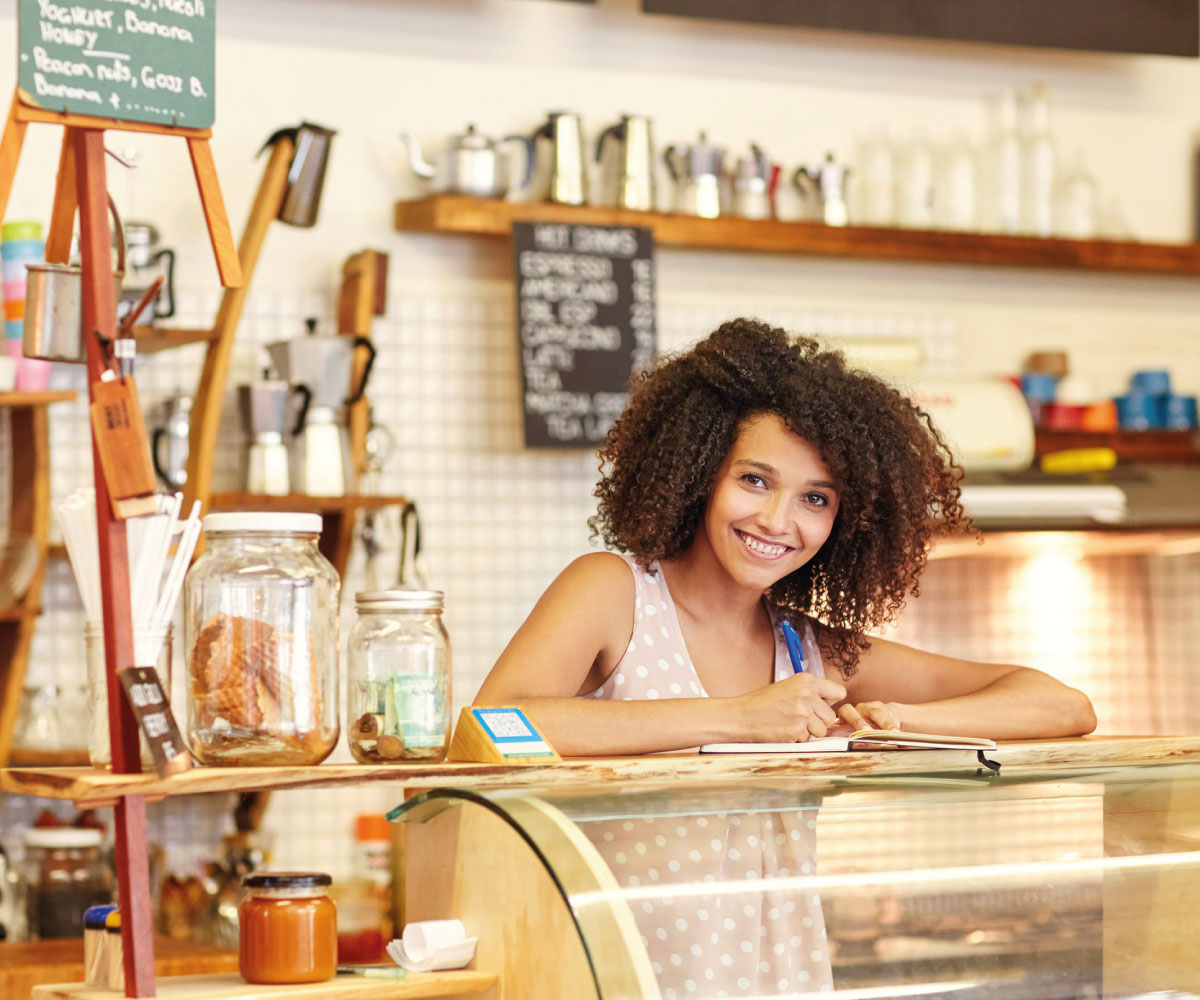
x: 21, y: 244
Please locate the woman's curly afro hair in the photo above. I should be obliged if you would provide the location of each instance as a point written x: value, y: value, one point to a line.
x: 897, y: 481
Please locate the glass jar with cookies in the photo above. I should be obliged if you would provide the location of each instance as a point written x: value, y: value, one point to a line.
x: 261, y: 634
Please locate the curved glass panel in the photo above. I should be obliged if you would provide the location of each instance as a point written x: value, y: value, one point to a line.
x: 1051, y: 884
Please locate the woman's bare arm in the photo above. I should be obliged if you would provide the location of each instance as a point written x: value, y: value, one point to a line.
x: 898, y: 687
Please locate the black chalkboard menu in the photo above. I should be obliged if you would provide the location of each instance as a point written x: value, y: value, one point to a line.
x: 132, y: 60
x: 585, y: 324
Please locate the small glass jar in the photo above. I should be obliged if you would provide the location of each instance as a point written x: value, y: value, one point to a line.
x: 151, y: 647
x: 287, y: 928
x: 261, y: 634
x: 399, y: 678
x: 62, y: 874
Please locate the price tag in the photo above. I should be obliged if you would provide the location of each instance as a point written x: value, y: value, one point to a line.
x: 155, y: 719
x: 124, y: 448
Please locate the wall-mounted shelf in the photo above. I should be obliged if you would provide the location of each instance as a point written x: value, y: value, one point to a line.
x: 1151, y: 446
x: 229, y: 986
x: 304, y: 503
x: 91, y: 787
x: 152, y: 339
x: 23, y: 399
x: 450, y: 214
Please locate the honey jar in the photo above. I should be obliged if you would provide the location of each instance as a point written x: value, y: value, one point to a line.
x: 287, y: 928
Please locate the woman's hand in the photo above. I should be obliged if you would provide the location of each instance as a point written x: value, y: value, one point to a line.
x: 870, y: 715
x: 792, y: 710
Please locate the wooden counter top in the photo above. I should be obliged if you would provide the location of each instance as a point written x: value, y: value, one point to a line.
x: 92, y: 787
x: 25, y: 964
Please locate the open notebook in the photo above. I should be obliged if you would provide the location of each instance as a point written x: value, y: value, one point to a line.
x: 863, y: 739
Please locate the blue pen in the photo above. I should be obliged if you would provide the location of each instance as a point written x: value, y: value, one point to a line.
x: 794, y: 648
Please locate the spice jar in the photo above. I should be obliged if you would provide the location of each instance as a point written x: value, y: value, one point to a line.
x: 261, y: 631
x: 399, y: 678
x: 287, y: 928
x: 63, y: 873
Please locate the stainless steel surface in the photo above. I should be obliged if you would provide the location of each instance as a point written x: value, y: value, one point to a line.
x: 471, y: 164
x: 306, y: 175
x: 568, y: 178
x: 827, y: 185
x: 698, y: 172
x: 625, y: 152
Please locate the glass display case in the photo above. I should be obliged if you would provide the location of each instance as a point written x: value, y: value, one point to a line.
x: 1073, y: 883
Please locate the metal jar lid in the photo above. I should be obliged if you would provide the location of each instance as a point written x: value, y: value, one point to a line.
x: 399, y: 600
x: 268, y: 521
x: 285, y: 880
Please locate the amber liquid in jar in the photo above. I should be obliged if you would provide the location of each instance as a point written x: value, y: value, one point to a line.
x: 287, y: 928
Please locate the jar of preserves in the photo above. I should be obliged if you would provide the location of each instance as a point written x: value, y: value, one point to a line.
x: 261, y: 634
x: 287, y: 928
x: 62, y: 875
x: 399, y: 678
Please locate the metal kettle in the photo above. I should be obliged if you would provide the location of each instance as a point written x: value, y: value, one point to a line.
x: 306, y: 175
x: 169, y: 440
x: 568, y: 181
x: 627, y: 175
x: 699, y: 175
x: 471, y: 164
x: 755, y: 181
x: 828, y: 183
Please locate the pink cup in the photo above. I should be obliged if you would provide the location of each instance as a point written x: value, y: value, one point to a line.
x: 14, y: 290
x: 33, y: 374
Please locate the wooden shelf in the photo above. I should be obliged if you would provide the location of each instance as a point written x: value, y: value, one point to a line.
x: 230, y: 986
x: 303, y: 502
x: 1150, y: 446
x: 488, y: 217
x: 15, y: 399
x: 19, y: 612
x: 152, y: 339
x: 92, y: 787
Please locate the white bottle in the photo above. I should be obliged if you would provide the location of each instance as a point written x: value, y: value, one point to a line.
x: 1075, y: 210
x: 1038, y: 173
x: 956, y: 196
x: 877, y: 181
x: 1001, y: 202
x: 914, y: 187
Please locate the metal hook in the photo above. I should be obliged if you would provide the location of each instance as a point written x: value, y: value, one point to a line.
x: 124, y: 163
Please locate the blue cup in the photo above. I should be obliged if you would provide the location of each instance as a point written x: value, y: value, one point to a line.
x: 1039, y: 387
x: 14, y: 329
x: 1138, y: 411
x: 1151, y: 382
x: 23, y: 250
x: 1179, y: 413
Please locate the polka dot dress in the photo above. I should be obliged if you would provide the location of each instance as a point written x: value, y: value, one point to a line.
x: 755, y: 938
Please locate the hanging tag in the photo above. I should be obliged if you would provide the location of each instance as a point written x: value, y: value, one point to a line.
x: 120, y: 436
x: 155, y: 719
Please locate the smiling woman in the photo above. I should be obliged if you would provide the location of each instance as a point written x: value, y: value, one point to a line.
x: 751, y: 480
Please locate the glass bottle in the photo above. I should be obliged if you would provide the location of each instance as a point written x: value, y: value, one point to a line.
x: 1038, y: 172
x: 1001, y: 205
x: 261, y: 635
x: 956, y: 193
x: 914, y: 185
x: 399, y: 678
x: 1075, y: 211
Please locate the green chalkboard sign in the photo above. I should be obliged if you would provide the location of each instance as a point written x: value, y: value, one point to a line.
x: 133, y: 60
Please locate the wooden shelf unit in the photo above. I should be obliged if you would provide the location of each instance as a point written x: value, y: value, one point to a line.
x: 92, y: 787
x: 231, y: 986
x: 152, y: 339
x: 457, y: 214
x: 29, y: 476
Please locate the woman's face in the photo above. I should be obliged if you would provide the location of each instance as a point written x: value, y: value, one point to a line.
x: 773, y: 504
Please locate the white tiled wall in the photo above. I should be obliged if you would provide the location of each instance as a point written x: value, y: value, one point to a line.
x: 498, y: 521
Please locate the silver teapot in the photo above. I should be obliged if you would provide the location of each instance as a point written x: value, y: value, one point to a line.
x: 471, y: 164
x: 627, y: 171
x: 755, y: 180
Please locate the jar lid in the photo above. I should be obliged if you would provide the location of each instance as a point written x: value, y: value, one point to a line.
x: 94, y: 917
x: 62, y: 836
x: 399, y: 600
x: 285, y: 880
x: 271, y: 521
